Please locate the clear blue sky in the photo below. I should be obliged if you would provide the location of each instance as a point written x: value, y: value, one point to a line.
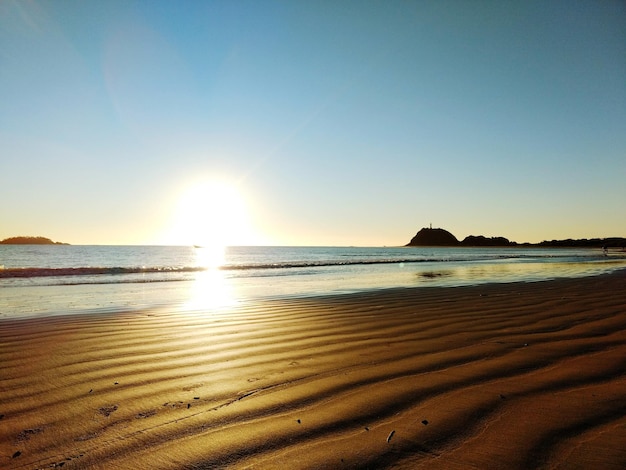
x: 330, y: 123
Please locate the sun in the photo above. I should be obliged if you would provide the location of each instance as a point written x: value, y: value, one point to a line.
x: 211, y: 215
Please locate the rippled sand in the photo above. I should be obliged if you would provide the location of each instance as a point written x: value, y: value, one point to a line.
x: 497, y: 376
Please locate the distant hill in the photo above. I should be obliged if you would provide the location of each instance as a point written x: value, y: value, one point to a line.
x: 433, y: 237
x: 441, y: 237
x: 29, y: 241
x: 613, y: 242
x: 479, y: 240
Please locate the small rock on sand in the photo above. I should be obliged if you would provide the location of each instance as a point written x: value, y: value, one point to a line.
x: 107, y: 410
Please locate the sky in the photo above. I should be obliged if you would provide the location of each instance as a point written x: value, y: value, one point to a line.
x: 311, y: 122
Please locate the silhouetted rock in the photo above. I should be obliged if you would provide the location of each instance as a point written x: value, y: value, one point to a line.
x: 479, y: 240
x: 29, y: 241
x: 441, y: 237
x: 433, y: 237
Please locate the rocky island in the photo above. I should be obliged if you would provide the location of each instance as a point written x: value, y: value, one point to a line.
x: 21, y: 240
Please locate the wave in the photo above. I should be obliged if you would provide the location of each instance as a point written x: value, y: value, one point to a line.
x: 35, y: 272
x: 88, y: 271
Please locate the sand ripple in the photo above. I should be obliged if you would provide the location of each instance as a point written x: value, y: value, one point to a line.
x: 500, y: 376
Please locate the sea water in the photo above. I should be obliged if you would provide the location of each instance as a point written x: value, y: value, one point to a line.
x: 47, y: 279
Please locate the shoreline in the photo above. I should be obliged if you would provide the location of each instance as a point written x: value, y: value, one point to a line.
x: 211, y: 290
x: 511, y: 375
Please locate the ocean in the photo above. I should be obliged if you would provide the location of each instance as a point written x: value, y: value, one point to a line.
x: 56, y: 279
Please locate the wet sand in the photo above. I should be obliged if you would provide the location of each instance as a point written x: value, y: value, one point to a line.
x: 509, y: 376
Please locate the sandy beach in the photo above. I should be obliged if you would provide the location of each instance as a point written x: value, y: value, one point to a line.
x: 516, y: 376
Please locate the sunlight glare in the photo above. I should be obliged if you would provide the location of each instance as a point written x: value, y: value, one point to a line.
x: 210, y: 290
x: 210, y: 215
x: 210, y: 256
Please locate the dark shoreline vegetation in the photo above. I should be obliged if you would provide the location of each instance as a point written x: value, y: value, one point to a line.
x: 21, y: 240
x: 441, y: 237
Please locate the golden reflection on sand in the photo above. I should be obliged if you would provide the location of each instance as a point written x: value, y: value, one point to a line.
x: 210, y: 288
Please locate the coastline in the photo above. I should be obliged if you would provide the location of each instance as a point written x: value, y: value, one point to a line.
x: 515, y: 375
x: 217, y: 288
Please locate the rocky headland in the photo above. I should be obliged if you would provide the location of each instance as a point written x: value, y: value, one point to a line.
x: 440, y: 237
x: 433, y: 237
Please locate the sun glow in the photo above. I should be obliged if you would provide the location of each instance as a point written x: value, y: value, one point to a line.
x: 210, y: 215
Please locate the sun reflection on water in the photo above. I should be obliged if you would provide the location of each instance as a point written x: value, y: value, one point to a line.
x: 210, y: 257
